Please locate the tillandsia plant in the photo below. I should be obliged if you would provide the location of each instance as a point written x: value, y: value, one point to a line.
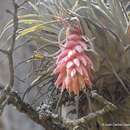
x: 73, y: 66
x: 70, y: 39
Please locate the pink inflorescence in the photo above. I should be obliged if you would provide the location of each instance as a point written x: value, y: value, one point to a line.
x: 73, y: 66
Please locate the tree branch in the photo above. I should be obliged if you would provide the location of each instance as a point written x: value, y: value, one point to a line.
x: 49, y: 121
x: 9, y: 54
x: 4, y: 51
x: 109, y: 107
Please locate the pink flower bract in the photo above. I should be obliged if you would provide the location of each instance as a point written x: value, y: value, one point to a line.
x: 73, y: 66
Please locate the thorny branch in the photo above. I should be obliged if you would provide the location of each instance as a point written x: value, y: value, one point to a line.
x: 50, y: 121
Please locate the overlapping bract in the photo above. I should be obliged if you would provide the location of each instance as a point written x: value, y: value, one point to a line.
x: 73, y: 66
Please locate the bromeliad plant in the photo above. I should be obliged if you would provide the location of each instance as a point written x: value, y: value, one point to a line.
x: 73, y: 66
x: 68, y: 53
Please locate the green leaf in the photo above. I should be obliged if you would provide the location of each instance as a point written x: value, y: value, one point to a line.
x: 28, y: 16
x: 37, y: 27
x: 30, y: 21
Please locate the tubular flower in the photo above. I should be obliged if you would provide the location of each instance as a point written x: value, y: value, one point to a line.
x: 73, y: 66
